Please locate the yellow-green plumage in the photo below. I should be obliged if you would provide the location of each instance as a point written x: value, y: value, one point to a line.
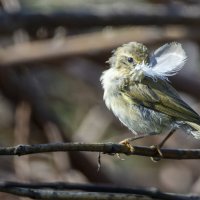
x: 146, y: 106
x: 160, y: 96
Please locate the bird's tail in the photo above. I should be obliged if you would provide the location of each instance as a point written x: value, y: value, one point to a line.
x: 195, y: 129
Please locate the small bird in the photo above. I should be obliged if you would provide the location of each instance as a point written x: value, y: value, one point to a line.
x: 137, y: 90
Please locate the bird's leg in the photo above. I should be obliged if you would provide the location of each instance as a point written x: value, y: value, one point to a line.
x: 166, y: 138
x: 160, y: 145
x: 126, y: 142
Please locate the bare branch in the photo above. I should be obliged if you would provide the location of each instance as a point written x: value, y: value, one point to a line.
x: 113, y: 15
x: 51, y: 194
x: 107, y: 148
x: 60, y: 190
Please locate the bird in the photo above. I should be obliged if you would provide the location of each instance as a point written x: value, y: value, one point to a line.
x: 137, y: 90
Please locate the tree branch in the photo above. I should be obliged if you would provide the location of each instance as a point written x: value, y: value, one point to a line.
x: 60, y: 190
x: 51, y: 194
x: 51, y: 49
x: 91, y: 16
x: 107, y: 148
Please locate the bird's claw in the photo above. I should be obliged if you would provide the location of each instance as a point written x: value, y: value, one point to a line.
x: 158, y: 151
x: 118, y: 155
x: 127, y: 144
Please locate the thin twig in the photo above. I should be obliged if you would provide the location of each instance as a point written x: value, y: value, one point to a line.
x: 99, y: 162
x: 61, y: 190
x: 107, y: 148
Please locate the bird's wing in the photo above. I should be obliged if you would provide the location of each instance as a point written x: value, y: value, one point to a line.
x: 162, y: 97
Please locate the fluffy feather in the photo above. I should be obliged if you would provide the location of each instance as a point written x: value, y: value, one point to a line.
x: 166, y: 61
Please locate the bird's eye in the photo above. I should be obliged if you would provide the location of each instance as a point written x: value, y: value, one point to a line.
x: 130, y: 59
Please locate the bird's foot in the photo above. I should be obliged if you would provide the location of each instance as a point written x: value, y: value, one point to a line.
x: 127, y: 141
x: 158, y: 151
x: 127, y: 144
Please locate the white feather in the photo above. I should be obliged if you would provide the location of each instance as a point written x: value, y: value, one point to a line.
x: 166, y: 61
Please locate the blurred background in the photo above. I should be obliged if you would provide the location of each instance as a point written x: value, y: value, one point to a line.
x: 51, y: 58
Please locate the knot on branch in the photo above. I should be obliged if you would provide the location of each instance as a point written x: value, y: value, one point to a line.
x: 20, y: 150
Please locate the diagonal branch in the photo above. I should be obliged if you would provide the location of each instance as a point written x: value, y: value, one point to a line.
x: 107, y: 148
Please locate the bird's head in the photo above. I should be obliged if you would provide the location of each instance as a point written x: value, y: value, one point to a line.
x: 128, y: 56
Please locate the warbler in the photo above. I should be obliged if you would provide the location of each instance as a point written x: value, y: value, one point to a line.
x: 137, y: 90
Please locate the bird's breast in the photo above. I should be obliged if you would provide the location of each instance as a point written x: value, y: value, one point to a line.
x: 139, y: 119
